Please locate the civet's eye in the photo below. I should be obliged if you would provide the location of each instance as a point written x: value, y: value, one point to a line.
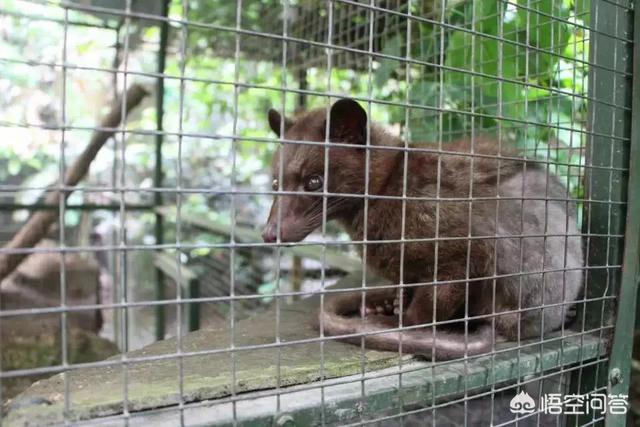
x: 314, y: 183
x: 274, y: 185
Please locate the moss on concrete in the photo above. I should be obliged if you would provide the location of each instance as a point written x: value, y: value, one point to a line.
x: 36, y: 346
x: 99, y: 391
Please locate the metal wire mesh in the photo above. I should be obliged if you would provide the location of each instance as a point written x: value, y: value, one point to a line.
x: 172, y: 208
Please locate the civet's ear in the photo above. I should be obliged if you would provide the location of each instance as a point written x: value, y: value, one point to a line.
x: 348, y: 122
x: 274, y: 122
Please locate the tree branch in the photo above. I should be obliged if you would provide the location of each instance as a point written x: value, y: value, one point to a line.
x: 39, y: 223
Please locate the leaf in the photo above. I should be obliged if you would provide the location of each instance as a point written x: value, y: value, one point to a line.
x: 582, y: 9
x: 266, y: 289
x: 14, y: 166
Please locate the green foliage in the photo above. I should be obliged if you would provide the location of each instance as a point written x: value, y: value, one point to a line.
x: 513, y: 68
x: 517, y: 69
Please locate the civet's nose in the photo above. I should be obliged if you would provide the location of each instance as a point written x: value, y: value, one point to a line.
x: 269, y: 234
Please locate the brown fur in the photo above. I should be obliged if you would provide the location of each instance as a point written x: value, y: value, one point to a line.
x: 462, y: 176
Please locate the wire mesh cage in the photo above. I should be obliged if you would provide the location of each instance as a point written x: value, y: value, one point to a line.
x: 288, y: 212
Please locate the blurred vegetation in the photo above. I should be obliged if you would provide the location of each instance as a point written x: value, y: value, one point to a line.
x: 516, y: 69
x: 519, y: 72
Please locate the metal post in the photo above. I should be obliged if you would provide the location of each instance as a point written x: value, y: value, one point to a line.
x: 158, y: 174
x: 605, y: 182
x: 619, y: 375
x: 193, y: 308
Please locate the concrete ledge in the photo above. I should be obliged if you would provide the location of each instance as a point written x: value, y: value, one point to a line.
x: 152, y: 375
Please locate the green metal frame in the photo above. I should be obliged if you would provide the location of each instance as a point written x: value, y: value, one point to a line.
x: 606, y: 191
x: 620, y: 361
